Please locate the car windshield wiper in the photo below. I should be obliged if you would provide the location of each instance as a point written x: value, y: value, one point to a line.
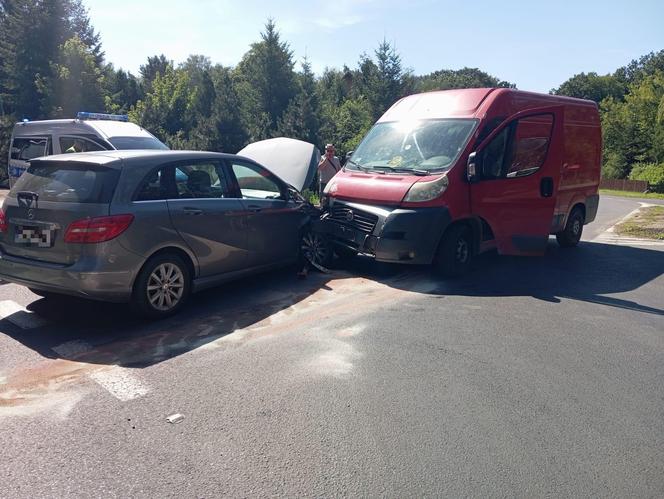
x: 414, y: 171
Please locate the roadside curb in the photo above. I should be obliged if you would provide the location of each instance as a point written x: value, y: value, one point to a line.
x: 610, y: 236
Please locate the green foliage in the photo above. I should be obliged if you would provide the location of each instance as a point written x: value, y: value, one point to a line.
x: 653, y: 173
x: 447, y: 79
x: 592, y: 86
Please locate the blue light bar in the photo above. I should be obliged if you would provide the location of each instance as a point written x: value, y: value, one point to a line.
x: 82, y: 115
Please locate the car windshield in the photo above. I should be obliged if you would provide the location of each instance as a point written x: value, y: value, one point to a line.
x: 417, y: 146
x: 124, y: 143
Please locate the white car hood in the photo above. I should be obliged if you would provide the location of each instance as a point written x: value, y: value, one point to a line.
x: 294, y: 161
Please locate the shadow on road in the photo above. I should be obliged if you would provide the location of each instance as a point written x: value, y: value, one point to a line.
x: 112, y: 336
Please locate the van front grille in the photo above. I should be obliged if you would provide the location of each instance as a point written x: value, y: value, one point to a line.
x: 352, y: 217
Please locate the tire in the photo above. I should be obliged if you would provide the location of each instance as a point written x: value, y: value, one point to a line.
x: 571, y: 234
x: 455, y: 252
x: 162, y: 287
x: 315, y: 247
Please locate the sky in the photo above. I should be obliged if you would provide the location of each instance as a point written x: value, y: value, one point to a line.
x: 537, y: 45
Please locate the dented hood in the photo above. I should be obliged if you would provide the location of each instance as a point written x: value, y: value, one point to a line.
x: 292, y: 160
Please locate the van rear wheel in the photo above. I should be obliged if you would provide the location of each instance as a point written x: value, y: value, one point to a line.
x: 455, y: 252
x: 571, y: 234
x: 162, y: 287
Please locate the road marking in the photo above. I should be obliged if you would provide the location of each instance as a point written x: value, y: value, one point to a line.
x: 120, y: 383
x: 19, y: 316
x: 609, y: 236
x: 71, y: 349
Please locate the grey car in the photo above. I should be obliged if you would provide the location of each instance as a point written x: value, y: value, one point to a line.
x: 149, y: 227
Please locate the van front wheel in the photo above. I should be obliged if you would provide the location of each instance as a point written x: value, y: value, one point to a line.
x: 455, y: 252
x: 571, y: 234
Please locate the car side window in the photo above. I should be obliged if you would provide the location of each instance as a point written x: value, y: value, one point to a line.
x: 158, y: 185
x: 203, y: 180
x: 256, y: 182
x: 520, y: 149
x: 25, y: 149
x: 78, y: 144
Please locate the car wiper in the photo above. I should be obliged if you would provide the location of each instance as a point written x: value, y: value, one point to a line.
x: 414, y: 171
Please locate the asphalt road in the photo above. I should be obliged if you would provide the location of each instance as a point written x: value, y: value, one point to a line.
x: 530, y: 377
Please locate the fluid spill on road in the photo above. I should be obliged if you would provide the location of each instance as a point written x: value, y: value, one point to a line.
x: 253, y: 316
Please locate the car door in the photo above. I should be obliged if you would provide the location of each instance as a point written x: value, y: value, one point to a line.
x: 208, y: 217
x: 274, y: 219
x: 519, y: 169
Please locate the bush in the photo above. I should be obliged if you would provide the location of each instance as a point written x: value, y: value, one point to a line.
x: 653, y: 173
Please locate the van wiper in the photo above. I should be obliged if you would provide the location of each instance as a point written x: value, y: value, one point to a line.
x: 414, y: 171
x: 359, y: 166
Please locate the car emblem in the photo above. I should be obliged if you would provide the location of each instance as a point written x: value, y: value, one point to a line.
x: 31, y: 214
x: 349, y: 216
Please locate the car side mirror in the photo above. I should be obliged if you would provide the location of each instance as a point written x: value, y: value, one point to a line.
x: 472, y: 167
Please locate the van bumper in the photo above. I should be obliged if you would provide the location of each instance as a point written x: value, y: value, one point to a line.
x: 101, y: 284
x: 397, y: 235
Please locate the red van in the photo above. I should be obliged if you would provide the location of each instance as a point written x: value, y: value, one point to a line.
x: 443, y: 176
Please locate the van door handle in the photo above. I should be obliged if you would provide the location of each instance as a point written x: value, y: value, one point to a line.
x: 192, y: 211
x: 546, y: 187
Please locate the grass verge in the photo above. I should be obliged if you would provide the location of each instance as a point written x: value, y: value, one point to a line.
x: 648, y: 223
x: 627, y: 194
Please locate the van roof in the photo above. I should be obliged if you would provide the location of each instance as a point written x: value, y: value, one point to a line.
x: 465, y: 103
x: 102, y: 128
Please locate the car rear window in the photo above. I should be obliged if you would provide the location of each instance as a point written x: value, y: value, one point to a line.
x: 125, y: 143
x: 69, y: 182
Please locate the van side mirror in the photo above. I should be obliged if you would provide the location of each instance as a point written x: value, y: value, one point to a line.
x: 471, y: 168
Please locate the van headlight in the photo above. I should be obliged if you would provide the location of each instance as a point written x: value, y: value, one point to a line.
x: 420, y: 192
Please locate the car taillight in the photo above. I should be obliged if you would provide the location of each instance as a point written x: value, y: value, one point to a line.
x: 3, y: 221
x: 98, y: 229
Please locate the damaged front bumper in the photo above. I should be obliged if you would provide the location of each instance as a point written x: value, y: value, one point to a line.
x: 400, y: 235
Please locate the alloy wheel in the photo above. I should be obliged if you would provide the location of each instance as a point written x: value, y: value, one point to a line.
x: 165, y: 286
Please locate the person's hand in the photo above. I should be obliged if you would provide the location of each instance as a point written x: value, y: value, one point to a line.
x: 322, y: 162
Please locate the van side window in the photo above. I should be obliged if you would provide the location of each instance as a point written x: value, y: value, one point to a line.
x: 25, y: 149
x: 78, y: 144
x: 530, y: 145
x: 494, y: 155
x: 520, y: 149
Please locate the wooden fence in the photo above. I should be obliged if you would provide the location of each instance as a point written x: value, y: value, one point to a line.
x: 622, y: 184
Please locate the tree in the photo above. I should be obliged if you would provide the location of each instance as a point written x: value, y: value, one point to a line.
x: 75, y: 83
x: 448, y: 79
x: 301, y: 118
x: 122, y: 90
x: 592, y: 86
x: 266, y: 83
x: 156, y: 65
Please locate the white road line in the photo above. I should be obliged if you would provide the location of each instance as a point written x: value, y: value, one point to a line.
x: 116, y: 380
x: 19, y: 316
x: 120, y: 383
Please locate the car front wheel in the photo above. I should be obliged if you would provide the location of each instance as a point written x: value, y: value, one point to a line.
x: 162, y: 287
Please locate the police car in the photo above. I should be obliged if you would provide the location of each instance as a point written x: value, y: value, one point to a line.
x: 88, y: 132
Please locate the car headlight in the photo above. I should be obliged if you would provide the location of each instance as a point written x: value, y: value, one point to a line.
x: 330, y: 188
x: 420, y: 192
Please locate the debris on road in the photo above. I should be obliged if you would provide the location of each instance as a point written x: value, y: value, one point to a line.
x: 175, y: 418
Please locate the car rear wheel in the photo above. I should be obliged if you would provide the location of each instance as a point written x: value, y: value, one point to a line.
x: 571, y: 234
x: 162, y: 287
x: 455, y: 252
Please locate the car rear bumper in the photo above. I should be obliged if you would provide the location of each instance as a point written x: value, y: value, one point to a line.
x: 99, y: 284
x: 401, y: 235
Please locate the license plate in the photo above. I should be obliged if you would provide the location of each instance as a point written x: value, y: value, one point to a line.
x: 34, y: 235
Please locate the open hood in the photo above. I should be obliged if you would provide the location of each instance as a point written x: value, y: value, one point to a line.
x: 294, y: 161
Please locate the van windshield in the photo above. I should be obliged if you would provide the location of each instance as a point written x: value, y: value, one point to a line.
x: 422, y: 145
x: 125, y: 143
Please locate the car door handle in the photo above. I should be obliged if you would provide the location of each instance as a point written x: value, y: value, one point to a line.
x: 254, y: 207
x: 192, y: 211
